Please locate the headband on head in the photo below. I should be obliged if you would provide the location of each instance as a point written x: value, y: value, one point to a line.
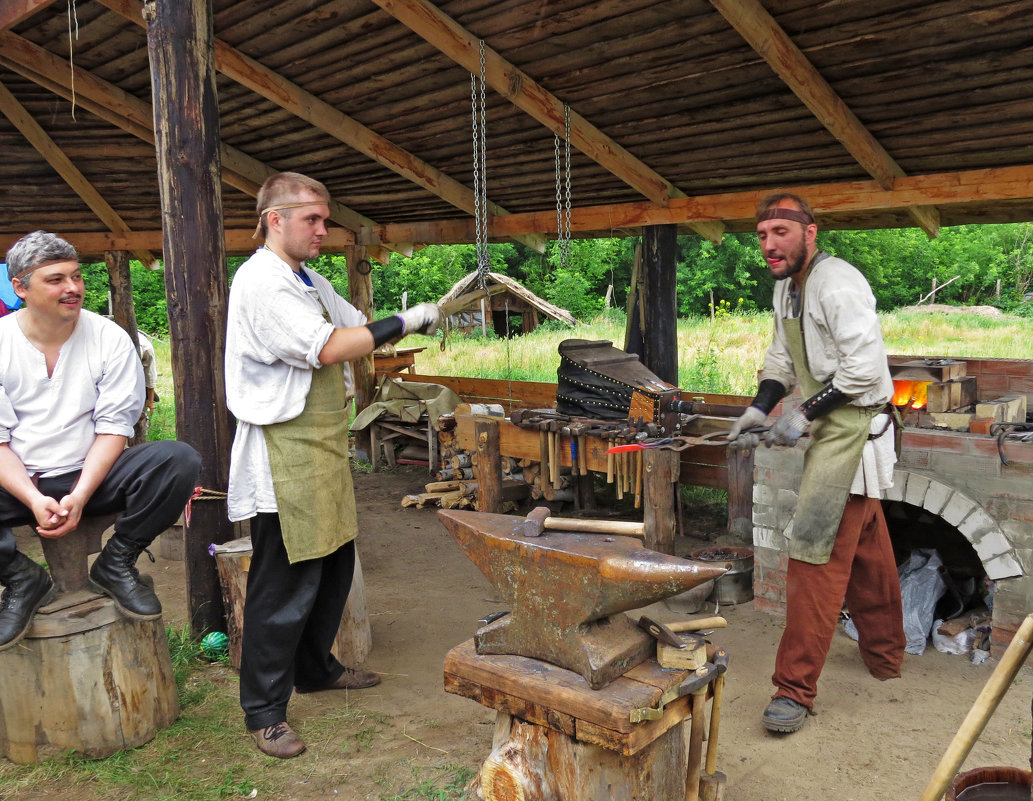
x: 35, y: 267
x: 777, y: 213
x: 263, y: 212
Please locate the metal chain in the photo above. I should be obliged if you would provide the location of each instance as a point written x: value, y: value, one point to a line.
x: 563, y: 185
x: 480, y: 173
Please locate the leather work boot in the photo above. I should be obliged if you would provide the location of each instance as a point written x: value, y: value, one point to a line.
x: 114, y: 573
x: 27, y: 587
x: 350, y: 679
x: 278, y: 740
x: 784, y: 715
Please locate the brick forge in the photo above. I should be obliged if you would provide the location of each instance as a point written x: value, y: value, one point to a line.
x: 958, y: 478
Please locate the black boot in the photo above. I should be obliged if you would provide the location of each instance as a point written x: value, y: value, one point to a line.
x: 27, y: 587
x: 114, y: 573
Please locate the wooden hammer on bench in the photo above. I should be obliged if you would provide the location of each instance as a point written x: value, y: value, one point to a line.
x: 540, y: 520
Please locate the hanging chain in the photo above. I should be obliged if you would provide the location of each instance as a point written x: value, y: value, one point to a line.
x: 563, y: 192
x: 480, y: 173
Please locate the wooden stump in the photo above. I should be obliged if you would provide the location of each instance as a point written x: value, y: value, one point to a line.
x: 85, y: 679
x: 354, y: 639
x: 557, y: 739
x: 535, y: 763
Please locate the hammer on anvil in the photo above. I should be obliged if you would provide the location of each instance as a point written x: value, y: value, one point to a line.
x: 540, y: 519
x: 566, y: 592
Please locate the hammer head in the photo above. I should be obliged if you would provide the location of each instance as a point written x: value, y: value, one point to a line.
x: 534, y: 523
x: 661, y: 632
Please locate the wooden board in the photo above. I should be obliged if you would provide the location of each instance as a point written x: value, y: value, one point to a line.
x: 561, y: 699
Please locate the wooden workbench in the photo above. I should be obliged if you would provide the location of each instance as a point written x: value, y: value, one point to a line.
x: 704, y: 465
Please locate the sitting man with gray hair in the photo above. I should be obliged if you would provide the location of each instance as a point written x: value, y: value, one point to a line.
x: 71, y: 388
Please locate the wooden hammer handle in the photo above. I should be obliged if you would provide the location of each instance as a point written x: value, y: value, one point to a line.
x: 624, y: 528
x: 698, y: 625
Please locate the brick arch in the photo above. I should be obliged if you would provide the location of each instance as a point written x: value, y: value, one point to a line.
x: 963, y: 512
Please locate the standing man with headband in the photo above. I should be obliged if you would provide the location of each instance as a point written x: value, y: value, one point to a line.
x: 827, y: 340
x: 289, y: 340
x: 71, y: 388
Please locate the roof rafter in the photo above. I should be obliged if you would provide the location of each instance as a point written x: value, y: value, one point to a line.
x: 49, y: 149
x: 766, y: 37
x: 135, y: 116
x: 525, y: 93
x: 303, y: 104
x: 14, y: 11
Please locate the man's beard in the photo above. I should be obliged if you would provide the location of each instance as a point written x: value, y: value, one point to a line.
x: 795, y: 262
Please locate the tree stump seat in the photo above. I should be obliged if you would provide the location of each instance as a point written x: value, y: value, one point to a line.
x: 85, y: 678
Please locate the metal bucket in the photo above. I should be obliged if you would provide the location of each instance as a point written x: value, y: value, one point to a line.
x: 736, y: 585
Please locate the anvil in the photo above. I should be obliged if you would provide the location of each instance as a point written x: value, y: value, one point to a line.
x: 567, y: 592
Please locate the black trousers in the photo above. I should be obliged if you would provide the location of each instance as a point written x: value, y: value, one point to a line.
x: 291, y: 616
x: 150, y: 484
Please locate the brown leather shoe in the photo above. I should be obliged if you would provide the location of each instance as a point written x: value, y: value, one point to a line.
x: 350, y: 679
x: 278, y: 740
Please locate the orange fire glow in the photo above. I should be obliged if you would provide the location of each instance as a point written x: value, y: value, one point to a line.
x: 913, y: 393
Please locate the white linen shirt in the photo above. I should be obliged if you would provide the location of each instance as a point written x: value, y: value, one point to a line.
x: 844, y: 346
x: 275, y: 331
x: 96, y: 388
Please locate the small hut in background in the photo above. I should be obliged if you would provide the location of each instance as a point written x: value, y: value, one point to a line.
x: 505, y: 300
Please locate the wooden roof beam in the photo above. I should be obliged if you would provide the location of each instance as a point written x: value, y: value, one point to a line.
x: 21, y: 119
x: 13, y: 12
x: 428, y: 22
x: 135, y: 116
x: 763, y: 34
x: 238, y: 241
x: 302, y: 104
x: 971, y: 186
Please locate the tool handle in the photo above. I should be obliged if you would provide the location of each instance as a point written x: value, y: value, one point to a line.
x: 698, y: 625
x: 624, y: 528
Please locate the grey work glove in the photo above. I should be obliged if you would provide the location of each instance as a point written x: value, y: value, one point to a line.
x: 751, y: 418
x: 787, y: 429
x: 425, y: 318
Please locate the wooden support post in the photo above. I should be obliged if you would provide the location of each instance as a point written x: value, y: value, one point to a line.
x: 660, y: 267
x: 488, y: 471
x: 186, y: 125
x: 660, y: 468
x: 123, y: 311
x: 360, y: 287
x: 740, y: 493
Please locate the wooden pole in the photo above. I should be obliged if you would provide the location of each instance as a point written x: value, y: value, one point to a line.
x: 659, y: 251
x: 122, y: 309
x: 360, y: 287
x: 489, y: 473
x: 186, y: 124
x: 740, y: 493
x: 975, y: 721
x: 660, y: 472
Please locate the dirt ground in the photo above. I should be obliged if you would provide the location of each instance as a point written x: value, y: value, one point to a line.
x: 869, y: 740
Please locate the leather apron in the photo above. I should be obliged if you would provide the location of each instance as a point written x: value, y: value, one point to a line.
x: 309, y: 461
x: 831, y: 461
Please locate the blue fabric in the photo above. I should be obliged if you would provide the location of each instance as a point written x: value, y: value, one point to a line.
x: 7, y: 295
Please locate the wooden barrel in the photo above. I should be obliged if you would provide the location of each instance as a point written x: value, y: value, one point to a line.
x: 1001, y: 780
x: 85, y: 679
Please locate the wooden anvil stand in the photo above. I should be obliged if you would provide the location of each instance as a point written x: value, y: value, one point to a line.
x: 557, y: 739
x: 85, y: 678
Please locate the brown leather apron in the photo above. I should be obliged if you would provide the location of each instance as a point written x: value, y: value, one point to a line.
x: 831, y: 461
x: 309, y: 460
